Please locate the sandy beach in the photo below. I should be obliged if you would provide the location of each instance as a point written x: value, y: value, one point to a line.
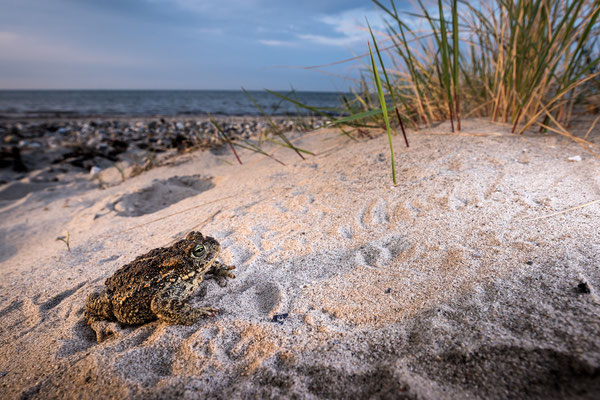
x: 477, y: 276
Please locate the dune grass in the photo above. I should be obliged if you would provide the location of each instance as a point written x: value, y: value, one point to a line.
x: 508, y: 61
x: 527, y: 63
x: 505, y: 60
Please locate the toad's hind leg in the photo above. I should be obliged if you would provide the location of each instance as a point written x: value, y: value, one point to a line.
x: 169, y: 305
x: 99, y: 306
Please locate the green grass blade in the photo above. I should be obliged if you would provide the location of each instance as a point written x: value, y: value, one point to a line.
x: 445, y: 60
x: 455, y: 59
x: 247, y: 145
x: 384, y: 112
x: 310, y: 108
x: 387, y: 81
x: 274, y: 126
x: 355, y: 117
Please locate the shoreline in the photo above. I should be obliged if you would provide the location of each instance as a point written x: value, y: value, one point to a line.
x: 88, y: 143
x: 12, y: 119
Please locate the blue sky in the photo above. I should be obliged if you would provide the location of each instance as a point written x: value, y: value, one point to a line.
x: 180, y: 44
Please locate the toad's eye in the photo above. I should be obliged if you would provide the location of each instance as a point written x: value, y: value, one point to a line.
x: 198, y: 251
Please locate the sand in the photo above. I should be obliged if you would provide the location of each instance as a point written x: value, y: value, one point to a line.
x: 457, y: 283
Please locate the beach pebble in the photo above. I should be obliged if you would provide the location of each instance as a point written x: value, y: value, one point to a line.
x: 279, y: 318
x: 94, y: 171
x: 583, y: 287
x: 574, y: 158
x: 99, y: 143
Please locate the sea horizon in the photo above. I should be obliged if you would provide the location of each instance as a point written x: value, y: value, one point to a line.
x: 31, y: 103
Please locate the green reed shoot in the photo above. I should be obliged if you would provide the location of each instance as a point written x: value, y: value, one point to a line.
x: 388, y: 84
x: 275, y: 128
x: 65, y: 240
x: 381, y: 96
x: 247, y: 145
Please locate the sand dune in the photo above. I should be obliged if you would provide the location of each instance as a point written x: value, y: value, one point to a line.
x: 457, y: 283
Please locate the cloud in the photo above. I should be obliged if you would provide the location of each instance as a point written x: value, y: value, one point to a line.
x: 16, y: 47
x: 278, y: 43
x: 212, y: 8
x: 6, y: 38
x: 348, y: 29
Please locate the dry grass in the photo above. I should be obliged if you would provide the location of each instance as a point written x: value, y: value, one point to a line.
x: 527, y: 63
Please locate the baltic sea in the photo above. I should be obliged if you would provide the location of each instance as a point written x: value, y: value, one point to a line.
x: 83, y: 103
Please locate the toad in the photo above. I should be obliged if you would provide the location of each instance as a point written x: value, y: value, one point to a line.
x: 157, y: 284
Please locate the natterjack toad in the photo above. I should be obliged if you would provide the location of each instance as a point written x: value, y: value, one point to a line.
x: 157, y: 285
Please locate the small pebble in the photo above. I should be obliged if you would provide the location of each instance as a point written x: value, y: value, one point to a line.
x: 574, y: 158
x: 101, y: 142
x: 279, y: 318
x: 94, y: 171
x: 583, y: 287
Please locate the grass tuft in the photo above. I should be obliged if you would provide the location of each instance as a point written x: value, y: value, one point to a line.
x: 524, y: 62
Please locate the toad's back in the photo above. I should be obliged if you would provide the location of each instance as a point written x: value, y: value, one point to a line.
x: 148, y: 269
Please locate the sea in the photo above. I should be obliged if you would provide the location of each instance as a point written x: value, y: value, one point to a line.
x: 82, y: 103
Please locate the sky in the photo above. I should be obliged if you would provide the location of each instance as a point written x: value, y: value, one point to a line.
x: 181, y: 44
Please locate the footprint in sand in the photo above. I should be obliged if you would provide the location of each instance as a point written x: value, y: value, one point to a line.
x: 382, y: 251
x: 18, y: 190
x: 374, y: 215
x: 377, y: 221
x: 9, y: 241
x: 262, y: 299
x: 161, y: 194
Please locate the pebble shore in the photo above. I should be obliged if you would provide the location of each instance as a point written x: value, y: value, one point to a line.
x: 89, y: 143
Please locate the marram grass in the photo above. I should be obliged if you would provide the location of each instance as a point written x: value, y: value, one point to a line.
x: 528, y: 63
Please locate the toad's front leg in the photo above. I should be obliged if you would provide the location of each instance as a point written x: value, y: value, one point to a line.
x: 220, y: 272
x: 170, y: 305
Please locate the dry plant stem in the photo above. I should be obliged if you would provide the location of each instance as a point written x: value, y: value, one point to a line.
x: 580, y: 142
x: 234, y: 152
x: 171, y: 215
x: 457, y: 103
x: 402, y: 127
x: 563, y: 211
x: 517, y: 120
x: 258, y: 150
x: 562, y: 131
x: 592, y: 127
x: 220, y: 130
